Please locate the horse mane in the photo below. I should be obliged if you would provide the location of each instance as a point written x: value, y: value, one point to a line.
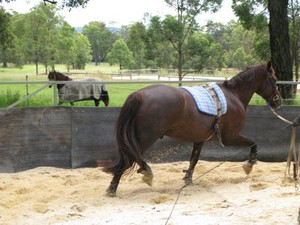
x: 247, y: 75
x: 61, y: 76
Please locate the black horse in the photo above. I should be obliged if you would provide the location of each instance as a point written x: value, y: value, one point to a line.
x: 72, y: 92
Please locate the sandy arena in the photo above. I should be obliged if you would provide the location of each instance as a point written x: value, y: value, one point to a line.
x: 225, y: 195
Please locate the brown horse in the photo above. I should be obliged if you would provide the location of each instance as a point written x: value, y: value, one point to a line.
x: 158, y: 110
x: 72, y: 92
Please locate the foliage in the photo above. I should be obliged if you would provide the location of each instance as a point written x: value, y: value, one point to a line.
x: 66, y: 43
x: 202, y: 53
x: 8, y: 97
x: 136, y: 43
x: 159, y: 52
x: 175, y: 41
x: 101, y: 40
x: 121, y: 55
x: 178, y: 29
x: 6, y: 35
x: 82, y: 51
x: 64, y: 3
x: 259, y: 14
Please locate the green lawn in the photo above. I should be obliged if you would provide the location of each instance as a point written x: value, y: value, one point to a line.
x: 118, y: 92
x: 10, y: 93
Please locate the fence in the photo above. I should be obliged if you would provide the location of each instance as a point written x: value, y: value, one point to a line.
x: 190, y: 80
x: 72, y: 137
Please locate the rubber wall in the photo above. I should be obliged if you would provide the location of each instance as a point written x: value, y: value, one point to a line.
x: 72, y: 137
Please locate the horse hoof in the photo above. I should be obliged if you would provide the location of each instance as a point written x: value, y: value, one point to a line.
x: 247, y: 167
x: 110, y: 193
x: 148, y: 179
x: 187, y: 180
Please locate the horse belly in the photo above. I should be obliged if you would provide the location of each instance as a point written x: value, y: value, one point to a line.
x: 196, y: 131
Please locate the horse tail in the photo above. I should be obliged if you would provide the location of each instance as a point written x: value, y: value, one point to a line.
x: 127, y: 143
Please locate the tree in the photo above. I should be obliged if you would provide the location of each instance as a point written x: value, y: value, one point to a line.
x: 178, y: 29
x: 65, y: 45
x: 250, y: 15
x: 280, y: 44
x: 240, y: 58
x: 294, y: 11
x: 202, y: 52
x: 82, y: 50
x: 41, y: 28
x: 64, y: 3
x: 120, y: 54
x: 6, y: 35
x: 136, y: 43
x: 100, y: 39
x: 159, y: 52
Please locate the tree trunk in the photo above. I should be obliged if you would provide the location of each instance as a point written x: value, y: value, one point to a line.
x: 280, y: 44
x: 180, y: 62
x: 36, y: 68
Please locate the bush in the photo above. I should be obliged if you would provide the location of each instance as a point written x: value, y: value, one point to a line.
x: 9, y: 97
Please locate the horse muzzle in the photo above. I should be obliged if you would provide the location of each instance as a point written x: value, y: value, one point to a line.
x: 276, y: 101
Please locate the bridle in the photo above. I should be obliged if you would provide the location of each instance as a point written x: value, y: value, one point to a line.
x: 274, y: 97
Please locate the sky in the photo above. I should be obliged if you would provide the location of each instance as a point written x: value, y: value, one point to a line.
x: 121, y: 12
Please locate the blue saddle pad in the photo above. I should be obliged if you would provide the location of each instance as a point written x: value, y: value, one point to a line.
x: 204, y: 100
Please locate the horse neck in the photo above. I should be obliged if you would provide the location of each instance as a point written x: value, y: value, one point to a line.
x: 62, y: 77
x: 245, y: 88
x: 245, y: 95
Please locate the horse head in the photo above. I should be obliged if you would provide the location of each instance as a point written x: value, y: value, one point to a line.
x: 51, y: 76
x: 268, y: 88
x: 56, y: 76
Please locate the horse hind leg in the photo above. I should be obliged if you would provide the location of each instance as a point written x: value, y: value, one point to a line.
x: 117, y: 174
x: 112, y: 188
x: 147, y: 173
x: 193, y: 161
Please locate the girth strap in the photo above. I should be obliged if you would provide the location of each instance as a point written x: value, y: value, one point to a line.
x: 216, y: 130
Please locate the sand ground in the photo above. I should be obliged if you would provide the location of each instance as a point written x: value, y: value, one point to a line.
x: 225, y: 195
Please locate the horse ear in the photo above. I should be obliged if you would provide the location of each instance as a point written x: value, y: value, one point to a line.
x: 269, y: 66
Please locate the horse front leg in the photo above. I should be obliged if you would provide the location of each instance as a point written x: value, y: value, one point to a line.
x: 248, y: 165
x: 241, y: 140
x: 96, y: 101
x: 193, y: 161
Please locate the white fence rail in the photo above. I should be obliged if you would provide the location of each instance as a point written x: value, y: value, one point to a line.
x: 133, y: 79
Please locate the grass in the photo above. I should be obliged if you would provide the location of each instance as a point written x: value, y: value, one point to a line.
x: 10, y: 93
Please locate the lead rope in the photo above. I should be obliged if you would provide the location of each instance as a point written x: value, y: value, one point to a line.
x: 293, y: 158
x: 208, y: 171
x: 184, y: 186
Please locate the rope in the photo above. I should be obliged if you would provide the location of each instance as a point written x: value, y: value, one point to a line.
x: 293, y: 158
x: 208, y: 171
x: 280, y: 117
x: 184, y: 186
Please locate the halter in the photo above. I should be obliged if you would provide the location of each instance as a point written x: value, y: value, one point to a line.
x: 274, y: 97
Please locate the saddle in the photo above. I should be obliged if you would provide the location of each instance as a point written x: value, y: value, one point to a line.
x: 210, y: 100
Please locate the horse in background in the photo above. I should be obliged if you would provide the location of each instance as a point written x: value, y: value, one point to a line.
x: 158, y: 110
x: 72, y: 92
